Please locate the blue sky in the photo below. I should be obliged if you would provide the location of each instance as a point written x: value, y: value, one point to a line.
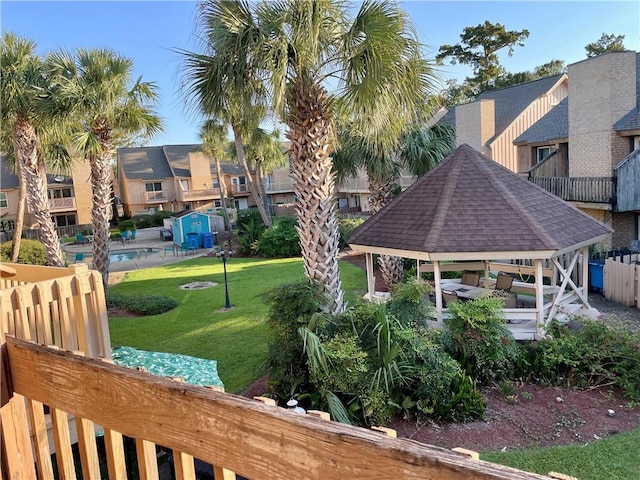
x: 148, y: 31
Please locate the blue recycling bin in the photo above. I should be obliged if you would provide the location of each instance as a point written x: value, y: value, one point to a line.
x: 192, y: 240
x: 207, y: 240
x: 596, y: 276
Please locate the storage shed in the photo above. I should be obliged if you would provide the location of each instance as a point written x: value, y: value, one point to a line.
x: 190, y: 224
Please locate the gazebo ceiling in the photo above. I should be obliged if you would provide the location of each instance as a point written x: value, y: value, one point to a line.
x: 471, y: 207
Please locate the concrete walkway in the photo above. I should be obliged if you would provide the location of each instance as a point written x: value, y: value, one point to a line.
x: 162, y: 252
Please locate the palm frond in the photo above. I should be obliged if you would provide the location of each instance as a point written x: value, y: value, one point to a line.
x: 338, y: 411
x: 314, y: 350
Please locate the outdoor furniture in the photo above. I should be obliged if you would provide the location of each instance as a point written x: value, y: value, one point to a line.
x: 449, y: 296
x: 504, y: 282
x: 470, y: 278
x: 465, y: 292
x: 171, y: 248
x: 132, y: 236
x: 124, y: 236
x: 81, y: 239
x: 166, y: 234
x: 79, y: 258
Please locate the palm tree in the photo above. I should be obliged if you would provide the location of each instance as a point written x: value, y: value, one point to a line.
x: 420, y: 149
x: 95, y: 86
x: 264, y: 153
x: 301, y: 48
x: 214, y: 144
x: 25, y: 122
x: 217, y: 85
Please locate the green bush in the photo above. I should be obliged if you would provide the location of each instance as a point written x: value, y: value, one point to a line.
x: 32, y: 252
x: 141, y: 304
x: 291, y: 306
x: 593, y: 354
x: 125, y: 225
x: 249, y: 229
x: 477, y: 337
x: 154, y: 220
x: 280, y: 241
x: 346, y: 227
x: 408, y: 303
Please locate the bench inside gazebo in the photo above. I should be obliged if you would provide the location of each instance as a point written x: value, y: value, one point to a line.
x: 471, y: 214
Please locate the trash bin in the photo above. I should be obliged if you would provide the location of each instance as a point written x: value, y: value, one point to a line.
x: 192, y: 240
x: 207, y: 240
x: 596, y: 276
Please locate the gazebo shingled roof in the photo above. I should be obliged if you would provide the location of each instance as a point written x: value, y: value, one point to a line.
x: 469, y: 203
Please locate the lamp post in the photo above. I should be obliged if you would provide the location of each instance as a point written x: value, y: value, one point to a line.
x: 224, y: 256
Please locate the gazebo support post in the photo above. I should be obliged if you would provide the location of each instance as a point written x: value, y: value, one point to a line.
x: 438, y: 292
x: 371, y: 279
x: 585, y: 272
x: 539, y: 285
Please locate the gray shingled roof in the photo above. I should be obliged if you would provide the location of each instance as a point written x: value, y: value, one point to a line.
x: 144, y: 163
x: 554, y: 125
x: 178, y: 158
x: 631, y: 121
x: 8, y: 179
x: 512, y: 101
x: 469, y: 203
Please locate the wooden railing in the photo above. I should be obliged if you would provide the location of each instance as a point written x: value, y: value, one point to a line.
x: 56, y: 306
x: 275, y: 187
x: 152, y: 197
x: 199, y: 194
x: 579, y: 189
x: 232, y: 433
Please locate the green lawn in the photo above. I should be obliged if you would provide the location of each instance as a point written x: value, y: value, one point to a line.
x: 199, y: 327
x: 614, y: 458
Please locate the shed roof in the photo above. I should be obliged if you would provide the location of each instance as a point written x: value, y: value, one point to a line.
x: 471, y: 204
x: 8, y: 178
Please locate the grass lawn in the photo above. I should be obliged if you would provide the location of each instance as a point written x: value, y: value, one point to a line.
x: 200, y: 327
x: 614, y: 458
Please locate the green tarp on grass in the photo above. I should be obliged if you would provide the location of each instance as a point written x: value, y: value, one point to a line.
x: 196, y: 371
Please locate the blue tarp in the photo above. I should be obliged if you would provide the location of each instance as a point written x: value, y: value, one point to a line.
x: 196, y: 371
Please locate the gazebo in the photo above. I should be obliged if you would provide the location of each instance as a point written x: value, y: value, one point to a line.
x: 470, y: 213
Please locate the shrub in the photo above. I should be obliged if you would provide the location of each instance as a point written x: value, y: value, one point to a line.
x: 594, y: 354
x: 346, y: 226
x: 249, y: 230
x: 32, y: 252
x: 478, y: 338
x: 141, y: 304
x: 154, y: 220
x: 291, y: 306
x: 408, y: 303
x: 280, y: 241
x: 125, y: 225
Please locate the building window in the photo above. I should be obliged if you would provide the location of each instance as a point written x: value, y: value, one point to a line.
x: 356, y: 200
x: 543, y: 152
x: 60, y: 193
x: 65, y: 220
x: 7, y: 225
x: 4, y: 202
x: 217, y: 203
x: 153, y: 187
x: 184, y: 184
x: 215, y: 183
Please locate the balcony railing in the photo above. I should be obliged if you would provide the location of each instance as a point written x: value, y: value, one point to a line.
x: 579, y: 189
x: 60, y: 204
x: 276, y: 187
x: 155, y: 197
x: 206, y: 193
x: 240, y: 189
x: 361, y: 185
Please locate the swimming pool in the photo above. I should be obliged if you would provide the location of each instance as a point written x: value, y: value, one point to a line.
x: 133, y: 254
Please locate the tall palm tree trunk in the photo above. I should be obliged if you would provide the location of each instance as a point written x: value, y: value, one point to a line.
x: 19, y: 223
x: 101, y: 205
x: 263, y: 191
x: 310, y: 132
x: 381, y: 193
x: 26, y: 152
x: 223, y: 199
x: 253, y: 188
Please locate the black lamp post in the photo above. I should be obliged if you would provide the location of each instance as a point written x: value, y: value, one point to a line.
x: 224, y: 256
